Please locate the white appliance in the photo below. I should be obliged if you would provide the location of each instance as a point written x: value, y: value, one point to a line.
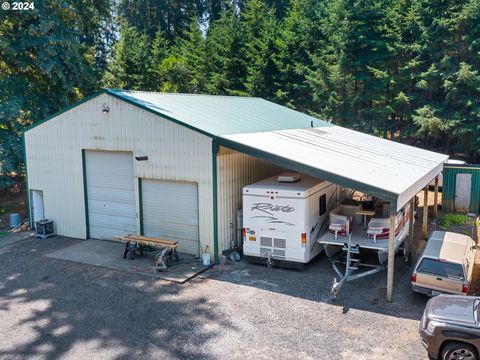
x: 283, y: 215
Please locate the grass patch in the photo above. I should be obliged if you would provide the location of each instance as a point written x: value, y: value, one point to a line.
x: 4, y: 233
x: 456, y: 219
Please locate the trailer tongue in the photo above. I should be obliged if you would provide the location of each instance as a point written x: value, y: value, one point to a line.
x: 349, y: 248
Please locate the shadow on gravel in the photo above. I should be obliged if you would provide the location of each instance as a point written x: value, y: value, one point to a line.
x: 315, y: 280
x: 55, y: 309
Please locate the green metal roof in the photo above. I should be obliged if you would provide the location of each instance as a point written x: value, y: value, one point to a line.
x: 220, y: 115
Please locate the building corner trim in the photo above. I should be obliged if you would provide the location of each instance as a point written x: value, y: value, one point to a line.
x: 27, y: 190
x: 215, y: 200
x: 140, y: 205
x: 85, y: 196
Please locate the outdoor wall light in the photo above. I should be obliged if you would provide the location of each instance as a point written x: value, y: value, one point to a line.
x: 105, y: 109
x: 141, y: 158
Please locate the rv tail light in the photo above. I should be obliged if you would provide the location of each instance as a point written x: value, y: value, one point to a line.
x: 244, y: 234
x: 413, y: 278
x: 465, y: 288
x: 304, y: 239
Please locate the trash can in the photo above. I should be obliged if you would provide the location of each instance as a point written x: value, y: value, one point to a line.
x: 15, y: 220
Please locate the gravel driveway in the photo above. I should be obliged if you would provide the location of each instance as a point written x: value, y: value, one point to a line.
x: 54, y: 309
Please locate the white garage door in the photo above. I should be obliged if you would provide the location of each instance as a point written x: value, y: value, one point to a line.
x: 170, y: 211
x: 110, y: 193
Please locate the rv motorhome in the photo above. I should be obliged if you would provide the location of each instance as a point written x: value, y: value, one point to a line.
x: 282, y: 217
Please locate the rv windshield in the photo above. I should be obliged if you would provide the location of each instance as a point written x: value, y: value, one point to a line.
x: 441, y: 268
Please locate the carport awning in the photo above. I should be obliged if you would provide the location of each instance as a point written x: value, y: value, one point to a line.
x: 386, y: 169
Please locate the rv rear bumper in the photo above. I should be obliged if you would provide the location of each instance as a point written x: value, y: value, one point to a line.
x: 276, y: 262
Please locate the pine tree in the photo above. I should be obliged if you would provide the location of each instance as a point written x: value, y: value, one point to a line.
x: 302, y: 42
x: 158, y: 53
x: 131, y: 61
x: 448, y: 79
x: 261, y: 29
x: 172, y: 17
x: 184, y: 69
x: 224, y: 49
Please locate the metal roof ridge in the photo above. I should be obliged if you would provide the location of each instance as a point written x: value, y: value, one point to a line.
x: 185, y: 94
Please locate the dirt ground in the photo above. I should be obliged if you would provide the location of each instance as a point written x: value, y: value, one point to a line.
x: 57, y: 309
x: 60, y: 309
x: 12, y: 200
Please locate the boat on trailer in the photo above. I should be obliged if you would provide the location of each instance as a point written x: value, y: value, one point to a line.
x: 351, y: 241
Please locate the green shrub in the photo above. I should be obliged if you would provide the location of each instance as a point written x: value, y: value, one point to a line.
x: 455, y: 219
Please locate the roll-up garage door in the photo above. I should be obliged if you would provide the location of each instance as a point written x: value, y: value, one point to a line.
x: 110, y: 193
x: 170, y: 211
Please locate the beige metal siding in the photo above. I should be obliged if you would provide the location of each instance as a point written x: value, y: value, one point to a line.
x: 234, y: 171
x: 54, y: 157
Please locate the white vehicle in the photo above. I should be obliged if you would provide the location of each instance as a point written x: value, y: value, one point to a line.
x: 283, y: 215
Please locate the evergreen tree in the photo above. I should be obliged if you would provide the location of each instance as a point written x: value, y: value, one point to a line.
x: 49, y: 57
x: 172, y: 17
x: 448, y: 79
x: 301, y: 43
x: 131, y: 61
x: 261, y: 29
x: 159, y: 52
x: 184, y: 69
x: 224, y: 50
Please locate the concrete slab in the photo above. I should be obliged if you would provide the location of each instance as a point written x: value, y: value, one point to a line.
x: 14, y: 237
x: 109, y: 254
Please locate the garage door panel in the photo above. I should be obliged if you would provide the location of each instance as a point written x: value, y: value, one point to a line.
x: 122, y: 216
x: 110, y: 193
x: 111, y: 182
x: 111, y: 196
x: 170, y: 211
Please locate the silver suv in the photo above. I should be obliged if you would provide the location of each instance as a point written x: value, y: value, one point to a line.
x: 450, y: 327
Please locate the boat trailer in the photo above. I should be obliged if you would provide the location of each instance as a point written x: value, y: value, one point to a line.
x: 349, y: 258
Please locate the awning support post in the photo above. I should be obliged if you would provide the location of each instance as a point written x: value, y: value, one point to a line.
x: 425, y: 213
x: 391, y: 257
x: 435, y: 199
x: 411, y: 226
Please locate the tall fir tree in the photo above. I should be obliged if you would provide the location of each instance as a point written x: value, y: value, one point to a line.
x: 447, y: 112
x: 131, y: 61
x: 301, y: 43
x: 184, y: 69
x: 261, y: 29
x: 225, y: 51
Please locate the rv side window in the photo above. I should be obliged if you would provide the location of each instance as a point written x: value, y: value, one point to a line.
x: 441, y: 268
x: 323, y: 204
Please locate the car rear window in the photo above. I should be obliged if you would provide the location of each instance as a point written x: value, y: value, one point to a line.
x: 441, y: 268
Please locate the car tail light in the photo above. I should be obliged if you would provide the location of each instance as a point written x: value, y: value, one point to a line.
x: 465, y: 288
x: 413, y: 278
x: 244, y: 234
x: 304, y: 239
